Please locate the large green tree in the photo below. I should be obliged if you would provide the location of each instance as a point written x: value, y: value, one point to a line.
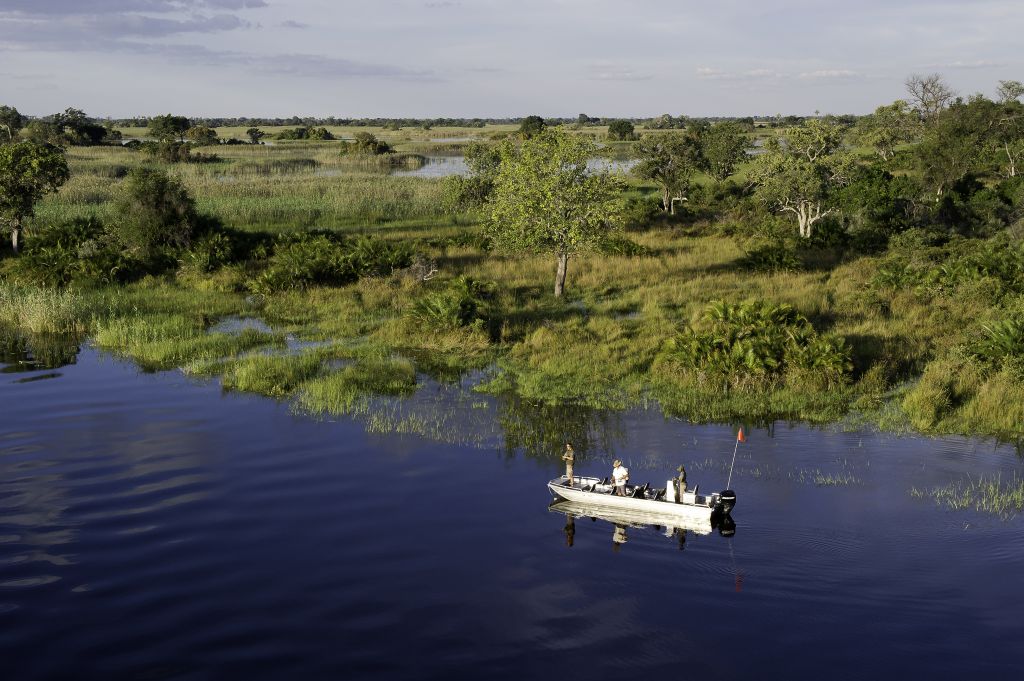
x: 545, y: 200
x: 169, y: 127
x: 28, y: 171
x: 958, y: 143
x: 532, y: 125
x: 724, y: 147
x: 202, y: 135
x: 800, y: 173
x: 888, y: 127
x: 670, y: 159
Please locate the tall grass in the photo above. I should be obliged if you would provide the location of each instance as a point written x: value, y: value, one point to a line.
x: 42, y: 310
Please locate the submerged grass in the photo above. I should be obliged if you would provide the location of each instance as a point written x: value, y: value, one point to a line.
x: 988, y: 494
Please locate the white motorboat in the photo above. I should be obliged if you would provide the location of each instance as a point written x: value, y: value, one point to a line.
x: 659, y: 506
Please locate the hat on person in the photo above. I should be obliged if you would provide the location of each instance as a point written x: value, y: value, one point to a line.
x: 616, y: 463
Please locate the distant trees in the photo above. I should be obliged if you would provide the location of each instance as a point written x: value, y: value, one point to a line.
x: 306, y: 133
x: 667, y: 122
x: 545, y: 199
x: 255, y: 135
x: 671, y: 160
x: 888, y: 127
x: 799, y: 174
x: 532, y: 125
x: 366, y: 143
x: 28, y: 171
x: 723, y: 147
x: 621, y: 130
x: 169, y: 127
x: 201, y: 135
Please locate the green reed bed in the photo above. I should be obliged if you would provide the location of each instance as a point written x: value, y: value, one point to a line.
x: 36, y: 310
x: 341, y: 391
x: 158, y: 342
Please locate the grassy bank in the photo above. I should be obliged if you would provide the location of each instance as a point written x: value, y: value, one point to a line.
x: 608, y: 345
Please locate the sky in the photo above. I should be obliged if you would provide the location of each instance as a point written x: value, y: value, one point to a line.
x: 495, y: 58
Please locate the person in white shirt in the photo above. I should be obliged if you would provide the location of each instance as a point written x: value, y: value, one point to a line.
x: 620, y: 474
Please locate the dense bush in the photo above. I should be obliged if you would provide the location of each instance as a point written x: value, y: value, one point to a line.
x: 922, y: 262
x: 153, y: 210
x: 755, y: 344
x: 171, y: 151
x: 77, y: 252
x: 305, y: 133
x: 325, y: 259
x: 366, y: 143
x: 462, y: 302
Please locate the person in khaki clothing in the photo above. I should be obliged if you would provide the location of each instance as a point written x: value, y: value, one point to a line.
x: 568, y: 459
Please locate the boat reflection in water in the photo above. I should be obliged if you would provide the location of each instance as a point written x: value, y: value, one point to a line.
x: 622, y: 520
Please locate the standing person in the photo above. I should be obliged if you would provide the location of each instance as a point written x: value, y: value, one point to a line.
x: 681, y: 484
x: 620, y: 474
x: 568, y: 459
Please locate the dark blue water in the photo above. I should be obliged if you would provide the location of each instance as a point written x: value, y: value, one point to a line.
x: 152, y: 527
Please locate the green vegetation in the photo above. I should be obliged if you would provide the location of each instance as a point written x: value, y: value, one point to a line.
x: 897, y: 301
x: 986, y: 494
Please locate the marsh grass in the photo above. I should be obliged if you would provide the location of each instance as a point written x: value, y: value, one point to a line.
x: 341, y: 392
x: 273, y: 375
x: 158, y: 342
x: 36, y: 310
x: 988, y: 494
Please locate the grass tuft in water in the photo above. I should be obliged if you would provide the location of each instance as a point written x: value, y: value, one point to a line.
x: 988, y: 494
x: 340, y: 392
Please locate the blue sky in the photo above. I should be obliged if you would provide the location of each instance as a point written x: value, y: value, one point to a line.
x: 494, y: 57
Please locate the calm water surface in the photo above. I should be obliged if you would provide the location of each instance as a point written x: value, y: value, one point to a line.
x: 152, y: 527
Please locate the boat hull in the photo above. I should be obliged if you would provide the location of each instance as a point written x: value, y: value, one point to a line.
x: 592, y: 493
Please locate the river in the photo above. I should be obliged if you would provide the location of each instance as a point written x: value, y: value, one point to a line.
x: 154, y: 527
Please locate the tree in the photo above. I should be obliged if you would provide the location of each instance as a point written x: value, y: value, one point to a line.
x: 670, y: 159
x: 153, y: 210
x: 169, y: 127
x: 473, y: 189
x: 1009, y: 91
x: 367, y: 143
x: 255, y: 135
x: 1008, y: 135
x: 621, y: 130
x: 929, y: 94
x: 545, y: 200
x: 532, y: 125
x: 956, y: 144
x: 202, y: 135
x: 890, y: 126
x: 78, y: 129
x: 10, y: 123
x: 28, y: 171
x: 724, y: 146
x: 800, y: 174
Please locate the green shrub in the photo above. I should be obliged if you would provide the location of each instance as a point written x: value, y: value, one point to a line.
x: 321, y: 259
x: 758, y: 343
x: 153, y: 210
x: 461, y: 303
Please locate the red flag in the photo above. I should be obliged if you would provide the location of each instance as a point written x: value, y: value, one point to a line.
x: 740, y: 437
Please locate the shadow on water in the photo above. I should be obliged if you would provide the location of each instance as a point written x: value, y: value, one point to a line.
x: 21, y: 353
x: 541, y: 430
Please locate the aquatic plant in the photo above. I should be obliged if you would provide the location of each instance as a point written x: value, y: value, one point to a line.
x: 988, y: 494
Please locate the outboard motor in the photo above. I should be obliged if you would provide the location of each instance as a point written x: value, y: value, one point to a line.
x: 727, y: 499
